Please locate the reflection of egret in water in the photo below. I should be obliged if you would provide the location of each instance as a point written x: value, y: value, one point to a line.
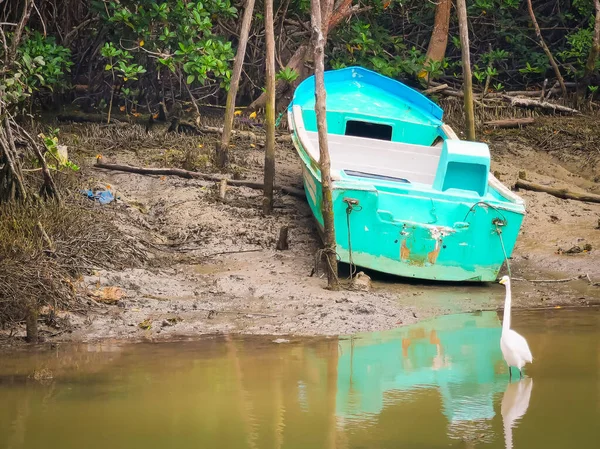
x: 514, y: 405
x: 456, y: 355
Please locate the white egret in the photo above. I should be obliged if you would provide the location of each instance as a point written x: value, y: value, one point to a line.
x: 514, y: 346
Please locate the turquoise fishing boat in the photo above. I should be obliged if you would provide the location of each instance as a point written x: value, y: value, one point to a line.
x: 409, y: 197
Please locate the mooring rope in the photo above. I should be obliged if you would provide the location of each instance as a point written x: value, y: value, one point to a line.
x: 499, y: 223
x: 351, y: 207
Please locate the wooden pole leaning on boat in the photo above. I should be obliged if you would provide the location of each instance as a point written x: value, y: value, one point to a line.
x: 461, y: 9
x: 319, y: 14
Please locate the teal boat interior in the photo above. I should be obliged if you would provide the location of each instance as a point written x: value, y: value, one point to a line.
x: 393, y: 137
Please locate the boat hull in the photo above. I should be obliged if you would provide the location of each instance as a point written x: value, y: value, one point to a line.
x: 472, y: 250
x: 407, y: 206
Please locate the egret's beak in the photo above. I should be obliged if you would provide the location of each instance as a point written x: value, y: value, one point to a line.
x: 502, y: 281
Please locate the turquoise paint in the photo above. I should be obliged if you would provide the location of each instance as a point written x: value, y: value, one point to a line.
x: 447, y: 231
x: 463, y: 165
x: 457, y: 354
x: 412, y: 116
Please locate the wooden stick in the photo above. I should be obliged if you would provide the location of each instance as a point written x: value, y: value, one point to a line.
x: 542, y: 44
x: 283, y: 243
x: 222, y: 188
x: 528, y: 102
x: 554, y: 281
x: 292, y: 191
x: 222, y: 150
x: 550, y: 281
x: 461, y: 8
x: 510, y: 123
x: 269, y: 166
x: 559, y: 193
x: 435, y: 89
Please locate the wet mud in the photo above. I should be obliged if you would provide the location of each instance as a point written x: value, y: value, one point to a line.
x: 214, y: 268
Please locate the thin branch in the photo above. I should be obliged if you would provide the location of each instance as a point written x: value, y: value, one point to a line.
x: 542, y: 44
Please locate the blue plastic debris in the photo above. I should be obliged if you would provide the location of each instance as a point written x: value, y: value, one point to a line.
x: 103, y: 196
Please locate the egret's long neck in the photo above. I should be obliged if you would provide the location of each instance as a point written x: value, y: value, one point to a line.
x: 507, y: 304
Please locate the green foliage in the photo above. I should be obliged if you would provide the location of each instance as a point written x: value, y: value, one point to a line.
x: 177, y: 35
x: 40, y: 66
x: 372, y: 46
x: 59, y: 158
x: 45, y: 63
x: 530, y: 69
x: 120, y: 63
x: 287, y: 74
x: 578, y: 47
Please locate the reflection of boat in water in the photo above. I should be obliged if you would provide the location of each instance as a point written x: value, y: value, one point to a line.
x: 456, y: 355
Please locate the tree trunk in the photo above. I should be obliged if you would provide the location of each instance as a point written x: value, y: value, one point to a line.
x: 318, y: 37
x: 439, y: 37
x: 269, y: 179
x: 542, y: 43
x: 461, y: 9
x: 222, y: 150
x: 590, y: 65
x: 302, y: 60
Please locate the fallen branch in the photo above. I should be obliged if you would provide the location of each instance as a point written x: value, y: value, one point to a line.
x: 435, y: 89
x: 543, y: 281
x: 559, y: 193
x: 510, y: 123
x: 285, y: 138
x: 557, y: 281
x: 528, y: 102
x: 196, y: 175
x: 239, y: 251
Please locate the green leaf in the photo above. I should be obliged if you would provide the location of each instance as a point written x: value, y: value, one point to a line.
x: 27, y: 60
x: 190, y: 79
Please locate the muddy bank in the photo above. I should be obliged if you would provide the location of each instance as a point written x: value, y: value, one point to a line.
x: 213, y: 266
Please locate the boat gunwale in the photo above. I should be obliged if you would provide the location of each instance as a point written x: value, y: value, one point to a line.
x: 514, y: 203
x: 428, y: 108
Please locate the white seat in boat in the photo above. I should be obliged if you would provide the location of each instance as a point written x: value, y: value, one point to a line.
x: 415, y: 163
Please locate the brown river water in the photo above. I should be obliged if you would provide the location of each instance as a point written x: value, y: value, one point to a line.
x: 436, y: 384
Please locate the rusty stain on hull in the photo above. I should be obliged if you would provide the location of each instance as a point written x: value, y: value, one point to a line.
x: 433, y: 255
x: 404, y: 251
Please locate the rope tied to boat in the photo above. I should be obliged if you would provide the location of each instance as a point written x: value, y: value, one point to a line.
x: 353, y: 205
x: 498, y: 223
x: 278, y: 120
